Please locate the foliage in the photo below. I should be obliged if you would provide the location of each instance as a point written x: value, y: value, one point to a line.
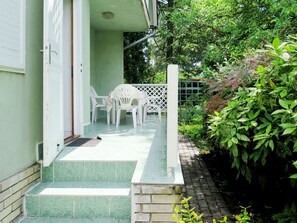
x: 183, y: 213
x: 136, y: 67
x: 294, y: 176
x: 224, y: 82
x: 258, y: 126
x: 209, y: 32
x: 159, y: 78
x: 192, y: 120
x: 288, y: 215
x: 244, y: 216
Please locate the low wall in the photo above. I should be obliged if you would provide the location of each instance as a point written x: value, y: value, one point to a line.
x: 12, y: 191
x: 154, y: 203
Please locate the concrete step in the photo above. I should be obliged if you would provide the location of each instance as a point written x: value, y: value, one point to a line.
x: 89, y: 171
x: 73, y: 220
x: 79, y: 200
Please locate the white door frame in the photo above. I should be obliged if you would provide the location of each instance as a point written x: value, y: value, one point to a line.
x: 77, y: 68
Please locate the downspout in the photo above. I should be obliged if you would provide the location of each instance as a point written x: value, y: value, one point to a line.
x: 140, y: 40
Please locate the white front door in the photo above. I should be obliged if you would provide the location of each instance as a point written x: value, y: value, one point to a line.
x: 53, y: 130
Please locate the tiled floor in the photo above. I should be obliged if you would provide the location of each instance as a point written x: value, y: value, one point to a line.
x: 84, y: 181
x: 72, y: 220
x: 145, y: 144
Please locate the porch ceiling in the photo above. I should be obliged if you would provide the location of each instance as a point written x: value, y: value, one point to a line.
x: 129, y: 15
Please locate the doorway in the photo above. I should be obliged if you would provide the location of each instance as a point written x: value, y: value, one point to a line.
x: 68, y: 70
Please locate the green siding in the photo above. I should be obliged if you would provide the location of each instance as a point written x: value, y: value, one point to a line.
x: 86, y: 60
x: 107, y: 62
x: 21, y: 101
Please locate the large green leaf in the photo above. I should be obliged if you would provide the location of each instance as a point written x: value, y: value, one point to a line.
x: 289, y: 131
x: 243, y: 119
x: 279, y: 111
x: 244, y: 138
x: 288, y: 125
x: 276, y: 43
x: 283, y: 103
x: 234, y: 140
x: 244, y: 156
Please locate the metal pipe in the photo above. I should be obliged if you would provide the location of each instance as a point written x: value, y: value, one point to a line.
x: 140, y: 40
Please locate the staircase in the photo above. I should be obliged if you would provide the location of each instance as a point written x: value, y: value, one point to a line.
x: 81, y: 191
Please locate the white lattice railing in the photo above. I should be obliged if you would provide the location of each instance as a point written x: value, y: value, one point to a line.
x: 155, y: 91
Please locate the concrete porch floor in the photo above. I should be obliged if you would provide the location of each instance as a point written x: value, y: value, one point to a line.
x: 145, y: 145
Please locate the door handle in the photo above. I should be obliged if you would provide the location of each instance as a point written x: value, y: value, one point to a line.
x: 50, y: 51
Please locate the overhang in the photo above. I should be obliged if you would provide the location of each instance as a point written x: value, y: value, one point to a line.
x: 121, y: 15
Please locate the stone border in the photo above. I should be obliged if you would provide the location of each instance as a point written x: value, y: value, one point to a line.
x: 154, y: 203
x: 12, y: 191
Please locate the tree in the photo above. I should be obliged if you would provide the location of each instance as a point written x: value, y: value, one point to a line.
x: 208, y: 32
x: 135, y: 59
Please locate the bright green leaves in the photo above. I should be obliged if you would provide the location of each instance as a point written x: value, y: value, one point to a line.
x: 276, y: 43
x: 261, y: 121
x: 284, y: 104
x: 183, y: 213
x: 244, y: 138
x: 234, y: 140
x: 289, y: 131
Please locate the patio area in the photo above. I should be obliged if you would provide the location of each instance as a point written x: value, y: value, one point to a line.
x: 124, y: 178
x: 145, y: 145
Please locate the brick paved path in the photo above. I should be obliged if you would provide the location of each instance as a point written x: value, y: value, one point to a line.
x: 198, y: 183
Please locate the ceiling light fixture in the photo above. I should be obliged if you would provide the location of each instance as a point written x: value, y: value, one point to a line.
x: 108, y: 15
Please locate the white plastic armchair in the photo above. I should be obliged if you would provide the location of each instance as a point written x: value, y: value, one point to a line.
x: 99, y: 102
x: 126, y: 95
x: 155, y: 102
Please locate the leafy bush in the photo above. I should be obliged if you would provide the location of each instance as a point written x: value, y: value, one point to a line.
x: 183, y: 213
x: 288, y: 215
x: 294, y: 176
x: 259, y: 125
x: 230, y: 76
x: 192, y: 120
x: 244, y: 216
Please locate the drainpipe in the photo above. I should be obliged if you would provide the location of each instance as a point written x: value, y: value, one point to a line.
x: 140, y: 40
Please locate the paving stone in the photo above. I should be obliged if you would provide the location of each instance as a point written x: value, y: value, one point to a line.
x: 199, y: 184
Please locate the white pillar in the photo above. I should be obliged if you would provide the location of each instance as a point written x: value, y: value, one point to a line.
x: 172, y: 117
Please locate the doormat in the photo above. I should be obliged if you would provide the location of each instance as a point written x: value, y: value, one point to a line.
x: 85, y: 142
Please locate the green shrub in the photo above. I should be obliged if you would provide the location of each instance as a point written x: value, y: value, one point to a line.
x: 244, y: 216
x: 183, y: 213
x: 259, y: 125
x: 288, y: 215
x: 192, y: 120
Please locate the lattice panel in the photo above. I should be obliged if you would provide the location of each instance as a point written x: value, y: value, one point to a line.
x: 155, y: 90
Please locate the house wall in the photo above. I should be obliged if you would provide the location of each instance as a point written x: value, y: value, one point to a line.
x: 21, y: 101
x: 21, y: 119
x: 107, y: 63
x: 86, y: 59
x: 93, y: 56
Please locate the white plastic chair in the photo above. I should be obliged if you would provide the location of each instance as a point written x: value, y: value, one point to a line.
x: 155, y: 102
x: 98, y: 102
x: 126, y: 95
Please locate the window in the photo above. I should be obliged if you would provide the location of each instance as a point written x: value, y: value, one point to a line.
x: 12, y: 38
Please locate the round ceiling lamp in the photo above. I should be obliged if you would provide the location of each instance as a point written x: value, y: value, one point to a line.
x: 108, y: 15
